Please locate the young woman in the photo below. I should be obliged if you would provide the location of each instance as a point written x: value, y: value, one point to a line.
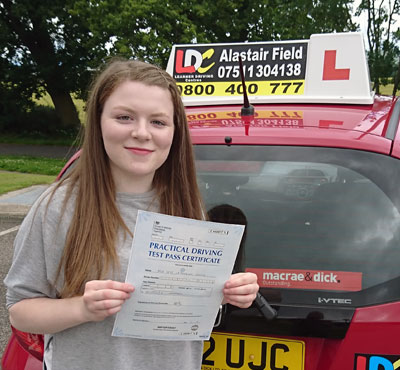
x: 71, y: 252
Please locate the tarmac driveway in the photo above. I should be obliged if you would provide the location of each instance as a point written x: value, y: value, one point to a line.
x: 49, y: 151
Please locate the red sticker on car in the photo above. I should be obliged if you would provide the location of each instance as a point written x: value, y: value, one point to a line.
x: 308, y: 279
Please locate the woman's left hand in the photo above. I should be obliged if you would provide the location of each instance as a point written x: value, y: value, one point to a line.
x: 241, y: 289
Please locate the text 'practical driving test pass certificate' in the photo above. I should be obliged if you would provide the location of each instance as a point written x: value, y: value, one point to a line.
x: 178, y: 267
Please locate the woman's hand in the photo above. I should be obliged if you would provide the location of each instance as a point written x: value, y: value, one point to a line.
x: 44, y: 315
x: 241, y: 289
x: 103, y: 298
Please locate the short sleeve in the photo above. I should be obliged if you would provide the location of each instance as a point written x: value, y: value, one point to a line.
x: 37, y: 250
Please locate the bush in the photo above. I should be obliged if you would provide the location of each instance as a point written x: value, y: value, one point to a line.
x: 36, y: 121
x: 12, y: 106
x: 20, y: 116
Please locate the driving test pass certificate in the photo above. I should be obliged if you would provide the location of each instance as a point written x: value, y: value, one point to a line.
x: 178, y: 267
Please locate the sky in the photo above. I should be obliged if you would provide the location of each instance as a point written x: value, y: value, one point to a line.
x: 362, y: 20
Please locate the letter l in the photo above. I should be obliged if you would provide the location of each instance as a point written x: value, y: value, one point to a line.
x: 330, y: 72
x: 179, y: 64
x: 361, y: 363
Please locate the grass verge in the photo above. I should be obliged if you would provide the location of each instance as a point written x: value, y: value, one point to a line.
x: 34, y: 165
x: 18, y: 172
x: 10, y: 181
x: 388, y: 90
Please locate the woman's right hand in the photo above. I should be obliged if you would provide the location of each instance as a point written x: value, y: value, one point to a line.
x: 43, y: 315
x: 103, y: 298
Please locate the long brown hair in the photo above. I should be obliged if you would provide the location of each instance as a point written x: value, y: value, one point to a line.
x: 90, y: 250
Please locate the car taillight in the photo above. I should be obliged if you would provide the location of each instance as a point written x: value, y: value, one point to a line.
x: 32, y: 343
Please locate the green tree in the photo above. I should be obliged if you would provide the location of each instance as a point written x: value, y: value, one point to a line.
x: 396, y: 79
x: 268, y: 20
x: 382, y: 48
x: 46, y: 48
x: 143, y: 29
x: 55, y: 45
x: 147, y: 29
x: 14, y: 97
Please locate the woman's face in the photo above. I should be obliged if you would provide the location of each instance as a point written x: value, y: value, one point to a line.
x: 137, y: 125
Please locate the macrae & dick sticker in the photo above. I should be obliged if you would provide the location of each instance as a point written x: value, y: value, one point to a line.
x: 308, y: 279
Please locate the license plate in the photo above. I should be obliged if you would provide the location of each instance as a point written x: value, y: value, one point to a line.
x: 245, y: 352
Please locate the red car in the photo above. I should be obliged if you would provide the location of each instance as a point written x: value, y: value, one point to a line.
x: 313, y: 172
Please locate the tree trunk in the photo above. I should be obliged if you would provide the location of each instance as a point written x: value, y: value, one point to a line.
x: 37, y: 39
x: 396, y: 80
x: 376, y: 87
x: 65, y: 108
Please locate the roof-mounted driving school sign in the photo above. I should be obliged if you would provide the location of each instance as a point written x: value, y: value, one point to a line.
x: 328, y: 68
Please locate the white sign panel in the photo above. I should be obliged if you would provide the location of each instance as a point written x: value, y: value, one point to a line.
x: 328, y: 68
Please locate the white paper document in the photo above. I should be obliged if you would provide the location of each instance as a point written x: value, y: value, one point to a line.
x: 178, y: 267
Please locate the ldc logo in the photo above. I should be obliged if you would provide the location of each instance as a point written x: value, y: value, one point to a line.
x: 374, y: 362
x: 185, y: 64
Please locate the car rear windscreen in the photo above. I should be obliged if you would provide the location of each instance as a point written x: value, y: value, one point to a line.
x: 317, y: 218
